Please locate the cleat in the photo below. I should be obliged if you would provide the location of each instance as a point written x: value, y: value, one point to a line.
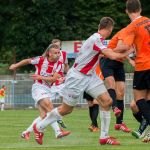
x: 146, y: 138
x: 62, y: 124
x: 38, y: 135
x: 117, y: 111
x: 63, y: 133
x: 94, y: 129
x: 109, y: 141
x: 136, y: 134
x: 25, y: 135
x: 122, y: 127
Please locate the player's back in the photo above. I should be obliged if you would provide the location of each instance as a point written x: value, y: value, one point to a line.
x: 89, y: 54
x: 141, y: 29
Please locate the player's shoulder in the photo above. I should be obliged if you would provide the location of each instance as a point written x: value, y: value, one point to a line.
x: 63, y: 52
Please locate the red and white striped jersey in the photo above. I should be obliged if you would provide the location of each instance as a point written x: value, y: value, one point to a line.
x: 63, y: 59
x: 89, y: 54
x: 45, y: 68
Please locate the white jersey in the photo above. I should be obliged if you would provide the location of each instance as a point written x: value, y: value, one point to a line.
x: 89, y: 54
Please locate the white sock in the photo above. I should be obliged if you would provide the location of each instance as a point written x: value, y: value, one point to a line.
x: 105, y: 123
x: 50, y: 118
x: 56, y: 128
x: 2, y: 107
x: 30, y: 128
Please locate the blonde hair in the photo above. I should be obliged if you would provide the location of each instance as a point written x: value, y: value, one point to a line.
x: 46, y: 53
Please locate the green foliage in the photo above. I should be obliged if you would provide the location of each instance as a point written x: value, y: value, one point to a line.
x: 30, y: 25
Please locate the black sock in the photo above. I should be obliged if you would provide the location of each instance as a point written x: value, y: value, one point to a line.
x: 138, y: 116
x: 120, y: 105
x: 144, y: 109
x: 143, y: 125
x: 148, y: 102
x: 112, y: 94
x: 91, y: 112
x: 95, y: 115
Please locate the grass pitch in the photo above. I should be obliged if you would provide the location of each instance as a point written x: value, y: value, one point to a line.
x: 13, y: 122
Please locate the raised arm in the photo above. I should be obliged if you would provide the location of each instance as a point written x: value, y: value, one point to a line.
x: 20, y: 64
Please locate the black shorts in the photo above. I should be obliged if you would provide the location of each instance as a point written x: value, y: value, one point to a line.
x: 87, y: 97
x: 141, y: 80
x: 112, y: 68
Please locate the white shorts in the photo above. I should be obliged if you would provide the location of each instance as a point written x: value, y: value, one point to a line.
x: 55, y: 92
x: 39, y: 92
x: 2, y: 100
x: 76, y: 83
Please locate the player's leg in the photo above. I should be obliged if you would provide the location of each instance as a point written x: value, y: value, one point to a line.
x: 26, y: 134
x: 2, y: 102
x: 138, y: 116
x: 120, y: 90
x: 2, y: 106
x: 141, y: 86
x: 71, y: 93
x: 97, y: 90
x: 107, y: 68
x: 93, y: 112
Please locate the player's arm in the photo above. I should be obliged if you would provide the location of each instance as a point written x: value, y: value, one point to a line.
x: 20, y: 64
x: 131, y: 61
x: 115, y: 55
x: 51, y: 79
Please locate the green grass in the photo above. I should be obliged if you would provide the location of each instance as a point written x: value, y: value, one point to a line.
x: 13, y: 122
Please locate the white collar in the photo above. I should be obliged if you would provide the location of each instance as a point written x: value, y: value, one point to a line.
x: 136, y: 18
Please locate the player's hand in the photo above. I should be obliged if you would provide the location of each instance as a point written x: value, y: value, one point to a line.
x: 132, y: 62
x: 35, y: 77
x: 61, y: 80
x: 13, y: 67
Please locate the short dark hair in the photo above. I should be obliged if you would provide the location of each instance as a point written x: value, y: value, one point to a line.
x: 133, y: 6
x: 105, y: 23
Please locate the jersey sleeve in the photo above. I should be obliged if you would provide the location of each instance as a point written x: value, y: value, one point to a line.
x: 98, y: 45
x: 35, y: 60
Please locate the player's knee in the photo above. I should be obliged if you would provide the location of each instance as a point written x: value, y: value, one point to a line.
x: 133, y: 106
x: 63, y: 110
x: 110, y: 102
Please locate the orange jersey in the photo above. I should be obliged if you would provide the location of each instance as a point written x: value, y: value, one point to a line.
x: 99, y: 72
x: 115, y: 39
x: 2, y: 93
x: 138, y: 32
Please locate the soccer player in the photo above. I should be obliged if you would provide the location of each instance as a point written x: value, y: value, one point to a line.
x: 114, y: 74
x: 63, y: 56
x: 2, y: 97
x: 93, y: 104
x: 47, y: 72
x: 81, y: 77
x: 139, y: 32
x: 55, y: 88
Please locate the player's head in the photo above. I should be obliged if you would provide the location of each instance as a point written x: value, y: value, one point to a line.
x: 57, y: 42
x: 106, y: 25
x: 53, y: 52
x: 133, y: 6
x: 4, y: 87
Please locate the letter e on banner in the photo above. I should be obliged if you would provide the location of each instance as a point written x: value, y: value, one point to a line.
x: 77, y: 46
